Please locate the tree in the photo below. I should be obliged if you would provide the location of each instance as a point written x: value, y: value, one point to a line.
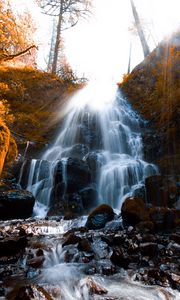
x: 16, y: 33
x: 68, y: 13
x: 140, y: 30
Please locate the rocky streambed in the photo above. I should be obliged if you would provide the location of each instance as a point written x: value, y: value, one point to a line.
x: 65, y: 259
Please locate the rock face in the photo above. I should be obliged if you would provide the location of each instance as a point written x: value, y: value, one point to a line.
x: 161, y: 191
x: 99, y: 217
x: 136, y: 213
x: 16, y: 204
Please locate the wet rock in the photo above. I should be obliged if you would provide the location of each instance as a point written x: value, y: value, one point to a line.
x: 134, y: 211
x: 99, y: 217
x: 109, y: 269
x: 175, y: 237
x: 76, y: 151
x: 89, y: 198
x: 164, y: 218
x: 119, y: 239
x: 161, y: 191
x: 149, y: 249
x: 71, y: 240
x: 58, y: 173
x: 84, y: 245
x: 12, y: 246
x: 23, y: 172
x: 44, y: 169
x: 174, y: 247
x: 16, y: 204
x: 93, y: 286
x: 36, y: 262
x: 120, y: 258
x: 146, y: 226
x: 152, y: 145
x: 94, y: 160
x: 108, y: 239
x: 78, y: 175
x: 114, y: 225
x: 30, y: 292
x: 100, y: 248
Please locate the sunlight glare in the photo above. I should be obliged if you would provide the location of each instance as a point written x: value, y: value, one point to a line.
x: 97, y: 95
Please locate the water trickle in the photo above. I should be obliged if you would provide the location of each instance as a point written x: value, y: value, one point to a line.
x: 100, y: 123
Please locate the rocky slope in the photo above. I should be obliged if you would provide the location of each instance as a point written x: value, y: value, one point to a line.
x: 153, y: 88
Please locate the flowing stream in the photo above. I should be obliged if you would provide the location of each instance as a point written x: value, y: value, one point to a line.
x: 100, y: 124
x: 70, y: 279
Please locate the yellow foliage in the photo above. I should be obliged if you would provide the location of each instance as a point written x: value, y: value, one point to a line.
x: 4, y: 143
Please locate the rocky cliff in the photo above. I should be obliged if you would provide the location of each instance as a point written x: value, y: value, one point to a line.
x: 153, y: 88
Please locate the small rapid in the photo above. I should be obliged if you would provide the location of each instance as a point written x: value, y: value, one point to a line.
x: 100, y: 129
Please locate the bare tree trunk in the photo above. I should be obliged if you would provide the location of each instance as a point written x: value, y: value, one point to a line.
x: 52, y: 46
x: 129, y: 62
x: 144, y: 43
x: 58, y: 39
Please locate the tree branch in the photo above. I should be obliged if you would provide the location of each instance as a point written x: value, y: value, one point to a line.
x: 6, y: 57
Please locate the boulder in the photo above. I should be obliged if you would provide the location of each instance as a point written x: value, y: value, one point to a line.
x: 16, y: 204
x: 134, y: 211
x: 100, y: 216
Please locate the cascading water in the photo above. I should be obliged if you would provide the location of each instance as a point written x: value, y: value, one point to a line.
x: 101, y: 129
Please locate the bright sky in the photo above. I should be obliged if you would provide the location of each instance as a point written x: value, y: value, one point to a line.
x: 100, y: 45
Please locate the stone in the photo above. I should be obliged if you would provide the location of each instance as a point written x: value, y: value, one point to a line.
x: 71, y: 240
x: 36, y: 262
x: 12, y: 246
x: 134, y: 211
x: 148, y: 249
x: 120, y: 258
x: 100, y: 216
x: 84, y: 245
x: 93, y: 286
x: 16, y: 204
x: 31, y: 292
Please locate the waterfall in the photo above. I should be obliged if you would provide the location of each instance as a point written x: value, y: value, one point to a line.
x: 100, y: 130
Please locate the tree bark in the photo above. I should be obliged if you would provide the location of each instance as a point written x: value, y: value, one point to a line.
x: 144, y: 43
x: 58, y: 39
x: 6, y: 57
